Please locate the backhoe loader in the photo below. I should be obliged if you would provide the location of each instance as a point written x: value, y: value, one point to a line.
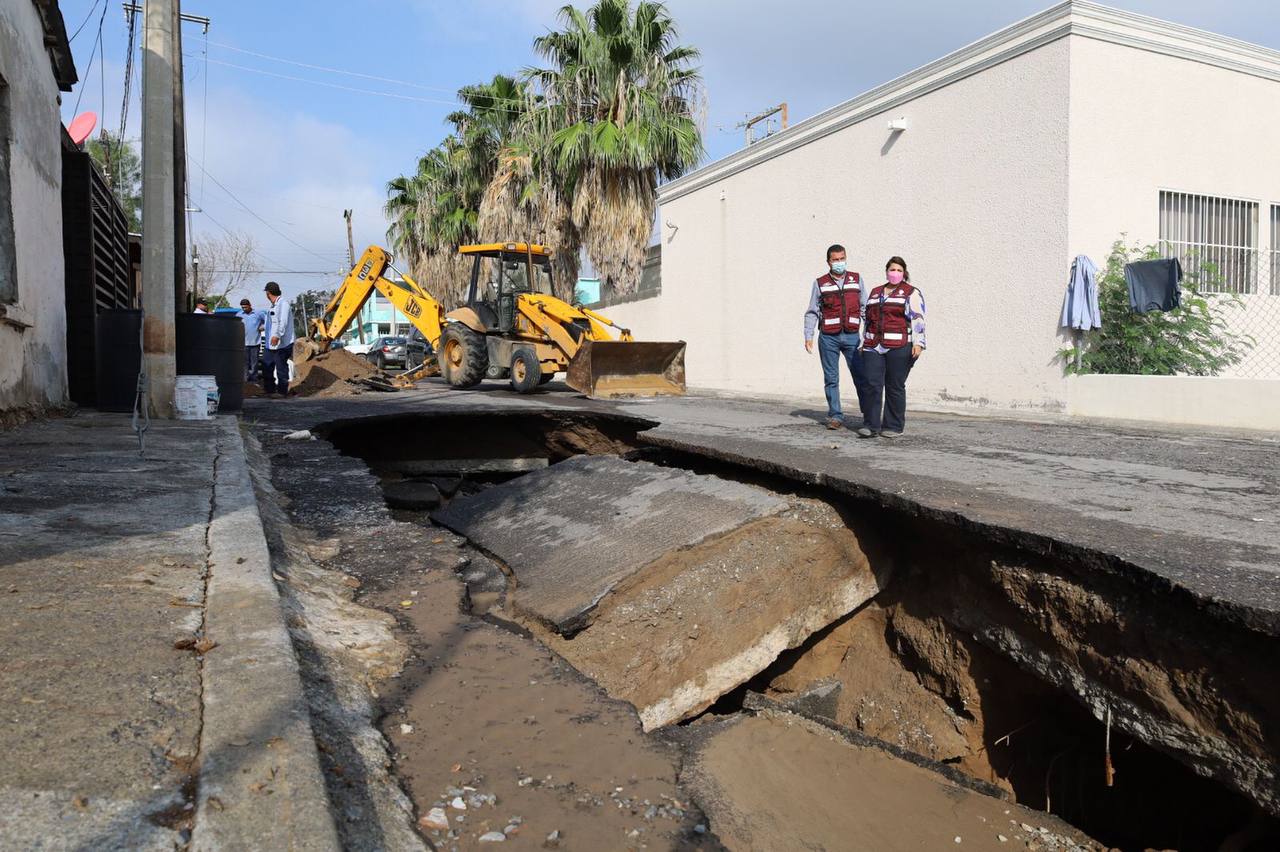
x: 511, y: 327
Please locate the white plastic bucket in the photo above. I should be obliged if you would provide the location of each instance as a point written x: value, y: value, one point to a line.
x: 195, y: 397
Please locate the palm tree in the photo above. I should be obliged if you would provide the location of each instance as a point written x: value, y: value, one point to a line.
x: 617, y: 117
x: 401, y: 210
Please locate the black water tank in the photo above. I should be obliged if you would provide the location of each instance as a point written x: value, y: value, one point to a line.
x: 213, y: 345
x: 117, y: 358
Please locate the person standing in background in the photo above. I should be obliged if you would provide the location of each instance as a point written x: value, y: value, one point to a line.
x: 835, y: 311
x: 892, y: 339
x: 275, y: 375
x: 254, y: 321
x: 202, y: 307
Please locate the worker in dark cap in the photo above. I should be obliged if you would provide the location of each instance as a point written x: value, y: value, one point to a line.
x: 254, y: 322
x: 279, y: 335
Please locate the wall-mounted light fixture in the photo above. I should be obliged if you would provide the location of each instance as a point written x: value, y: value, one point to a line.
x: 898, y: 124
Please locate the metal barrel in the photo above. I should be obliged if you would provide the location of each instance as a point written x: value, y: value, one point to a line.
x: 613, y: 368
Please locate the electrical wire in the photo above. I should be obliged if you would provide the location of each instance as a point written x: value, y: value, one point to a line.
x: 92, y: 55
x: 335, y: 70
x: 285, y: 270
x: 85, y: 21
x: 254, y: 214
x: 204, y: 113
x: 413, y: 98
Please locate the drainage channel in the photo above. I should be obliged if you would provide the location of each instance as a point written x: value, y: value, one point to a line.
x: 1057, y: 702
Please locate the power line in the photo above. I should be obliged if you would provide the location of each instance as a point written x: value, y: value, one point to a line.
x: 256, y: 251
x: 92, y: 54
x: 254, y: 214
x: 335, y: 70
x: 414, y: 98
x: 85, y: 21
x: 281, y: 271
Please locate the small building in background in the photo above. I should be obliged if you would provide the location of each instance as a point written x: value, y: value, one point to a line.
x: 35, y: 65
x: 989, y: 170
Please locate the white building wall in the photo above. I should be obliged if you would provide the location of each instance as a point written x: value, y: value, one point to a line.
x: 973, y: 195
x: 33, y: 351
x: 1143, y: 121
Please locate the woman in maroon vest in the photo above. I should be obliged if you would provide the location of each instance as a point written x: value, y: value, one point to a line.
x: 892, y: 339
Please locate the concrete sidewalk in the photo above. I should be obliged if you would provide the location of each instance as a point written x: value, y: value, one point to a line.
x: 139, y: 634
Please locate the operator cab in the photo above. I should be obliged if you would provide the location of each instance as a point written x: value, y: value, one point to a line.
x: 499, y: 274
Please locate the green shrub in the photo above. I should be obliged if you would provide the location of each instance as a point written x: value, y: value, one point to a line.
x: 1192, y: 339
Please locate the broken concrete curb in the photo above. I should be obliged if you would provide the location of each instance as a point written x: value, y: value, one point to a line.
x: 260, y: 784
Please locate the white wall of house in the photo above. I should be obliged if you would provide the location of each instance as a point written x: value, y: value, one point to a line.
x: 1143, y: 121
x: 972, y: 195
x: 1042, y: 141
x: 32, y: 329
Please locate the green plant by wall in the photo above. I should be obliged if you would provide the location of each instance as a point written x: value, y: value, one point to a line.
x: 1192, y: 339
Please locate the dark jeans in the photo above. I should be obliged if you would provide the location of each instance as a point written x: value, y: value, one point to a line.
x: 887, y: 378
x: 275, y: 372
x: 250, y: 362
x: 830, y: 348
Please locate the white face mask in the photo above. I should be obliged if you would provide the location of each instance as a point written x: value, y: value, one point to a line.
x: 839, y: 267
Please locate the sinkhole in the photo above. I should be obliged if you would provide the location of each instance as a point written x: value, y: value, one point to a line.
x: 1052, y: 677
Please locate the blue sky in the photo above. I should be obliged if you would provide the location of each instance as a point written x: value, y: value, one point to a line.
x: 296, y: 152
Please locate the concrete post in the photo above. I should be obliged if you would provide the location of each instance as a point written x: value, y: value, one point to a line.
x: 160, y: 18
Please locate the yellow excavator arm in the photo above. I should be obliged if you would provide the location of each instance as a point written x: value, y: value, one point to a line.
x: 426, y: 314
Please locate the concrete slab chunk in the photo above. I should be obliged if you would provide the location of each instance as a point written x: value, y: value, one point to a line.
x: 775, y: 781
x: 700, y: 622
x: 572, y: 532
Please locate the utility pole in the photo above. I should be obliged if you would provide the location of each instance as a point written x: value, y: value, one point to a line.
x: 766, y: 117
x: 181, y: 295
x: 351, y: 262
x: 159, y: 256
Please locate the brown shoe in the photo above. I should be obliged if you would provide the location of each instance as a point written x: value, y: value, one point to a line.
x: 833, y: 424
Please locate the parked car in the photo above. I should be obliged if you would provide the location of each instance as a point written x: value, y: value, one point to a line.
x: 387, y: 351
x: 417, y: 350
x: 355, y: 347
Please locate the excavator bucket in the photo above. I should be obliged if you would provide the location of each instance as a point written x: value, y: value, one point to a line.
x: 305, y: 348
x: 612, y: 368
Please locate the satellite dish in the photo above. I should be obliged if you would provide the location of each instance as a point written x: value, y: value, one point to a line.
x: 81, y: 126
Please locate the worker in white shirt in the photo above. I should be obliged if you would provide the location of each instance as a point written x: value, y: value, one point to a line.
x: 279, y: 334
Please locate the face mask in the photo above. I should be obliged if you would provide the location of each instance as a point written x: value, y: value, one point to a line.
x: 838, y: 267
x: 895, y: 277
x: 247, y: 310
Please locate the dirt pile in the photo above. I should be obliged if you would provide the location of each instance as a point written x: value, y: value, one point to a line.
x: 334, y: 373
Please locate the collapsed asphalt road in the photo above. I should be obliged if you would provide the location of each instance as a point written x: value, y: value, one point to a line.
x: 947, y: 649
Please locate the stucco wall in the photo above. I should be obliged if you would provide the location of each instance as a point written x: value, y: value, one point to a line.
x: 33, y: 359
x: 973, y: 195
x: 1142, y: 122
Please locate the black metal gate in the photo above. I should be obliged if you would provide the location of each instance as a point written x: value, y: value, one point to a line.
x: 95, y: 240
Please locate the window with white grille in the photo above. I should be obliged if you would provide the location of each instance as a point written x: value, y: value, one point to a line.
x: 1275, y: 249
x: 1221, y: 233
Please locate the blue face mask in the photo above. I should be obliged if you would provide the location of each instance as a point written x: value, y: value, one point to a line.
x: 838, y: 267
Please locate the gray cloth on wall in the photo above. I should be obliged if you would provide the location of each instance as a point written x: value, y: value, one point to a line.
x: 1154, y: 285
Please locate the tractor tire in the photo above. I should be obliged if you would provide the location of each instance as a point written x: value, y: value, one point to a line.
x: 526, y: 371
x: 464, y: 358
x: 381, y: 363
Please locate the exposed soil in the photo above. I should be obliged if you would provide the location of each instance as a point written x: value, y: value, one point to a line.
x: 331, y: 374
x: 480, y: 713
x: 999, y: 662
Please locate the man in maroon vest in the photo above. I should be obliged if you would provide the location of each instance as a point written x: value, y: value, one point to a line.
x: 835, y: 312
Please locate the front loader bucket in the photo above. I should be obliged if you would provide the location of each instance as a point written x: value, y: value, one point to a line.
x: 610, y: 368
